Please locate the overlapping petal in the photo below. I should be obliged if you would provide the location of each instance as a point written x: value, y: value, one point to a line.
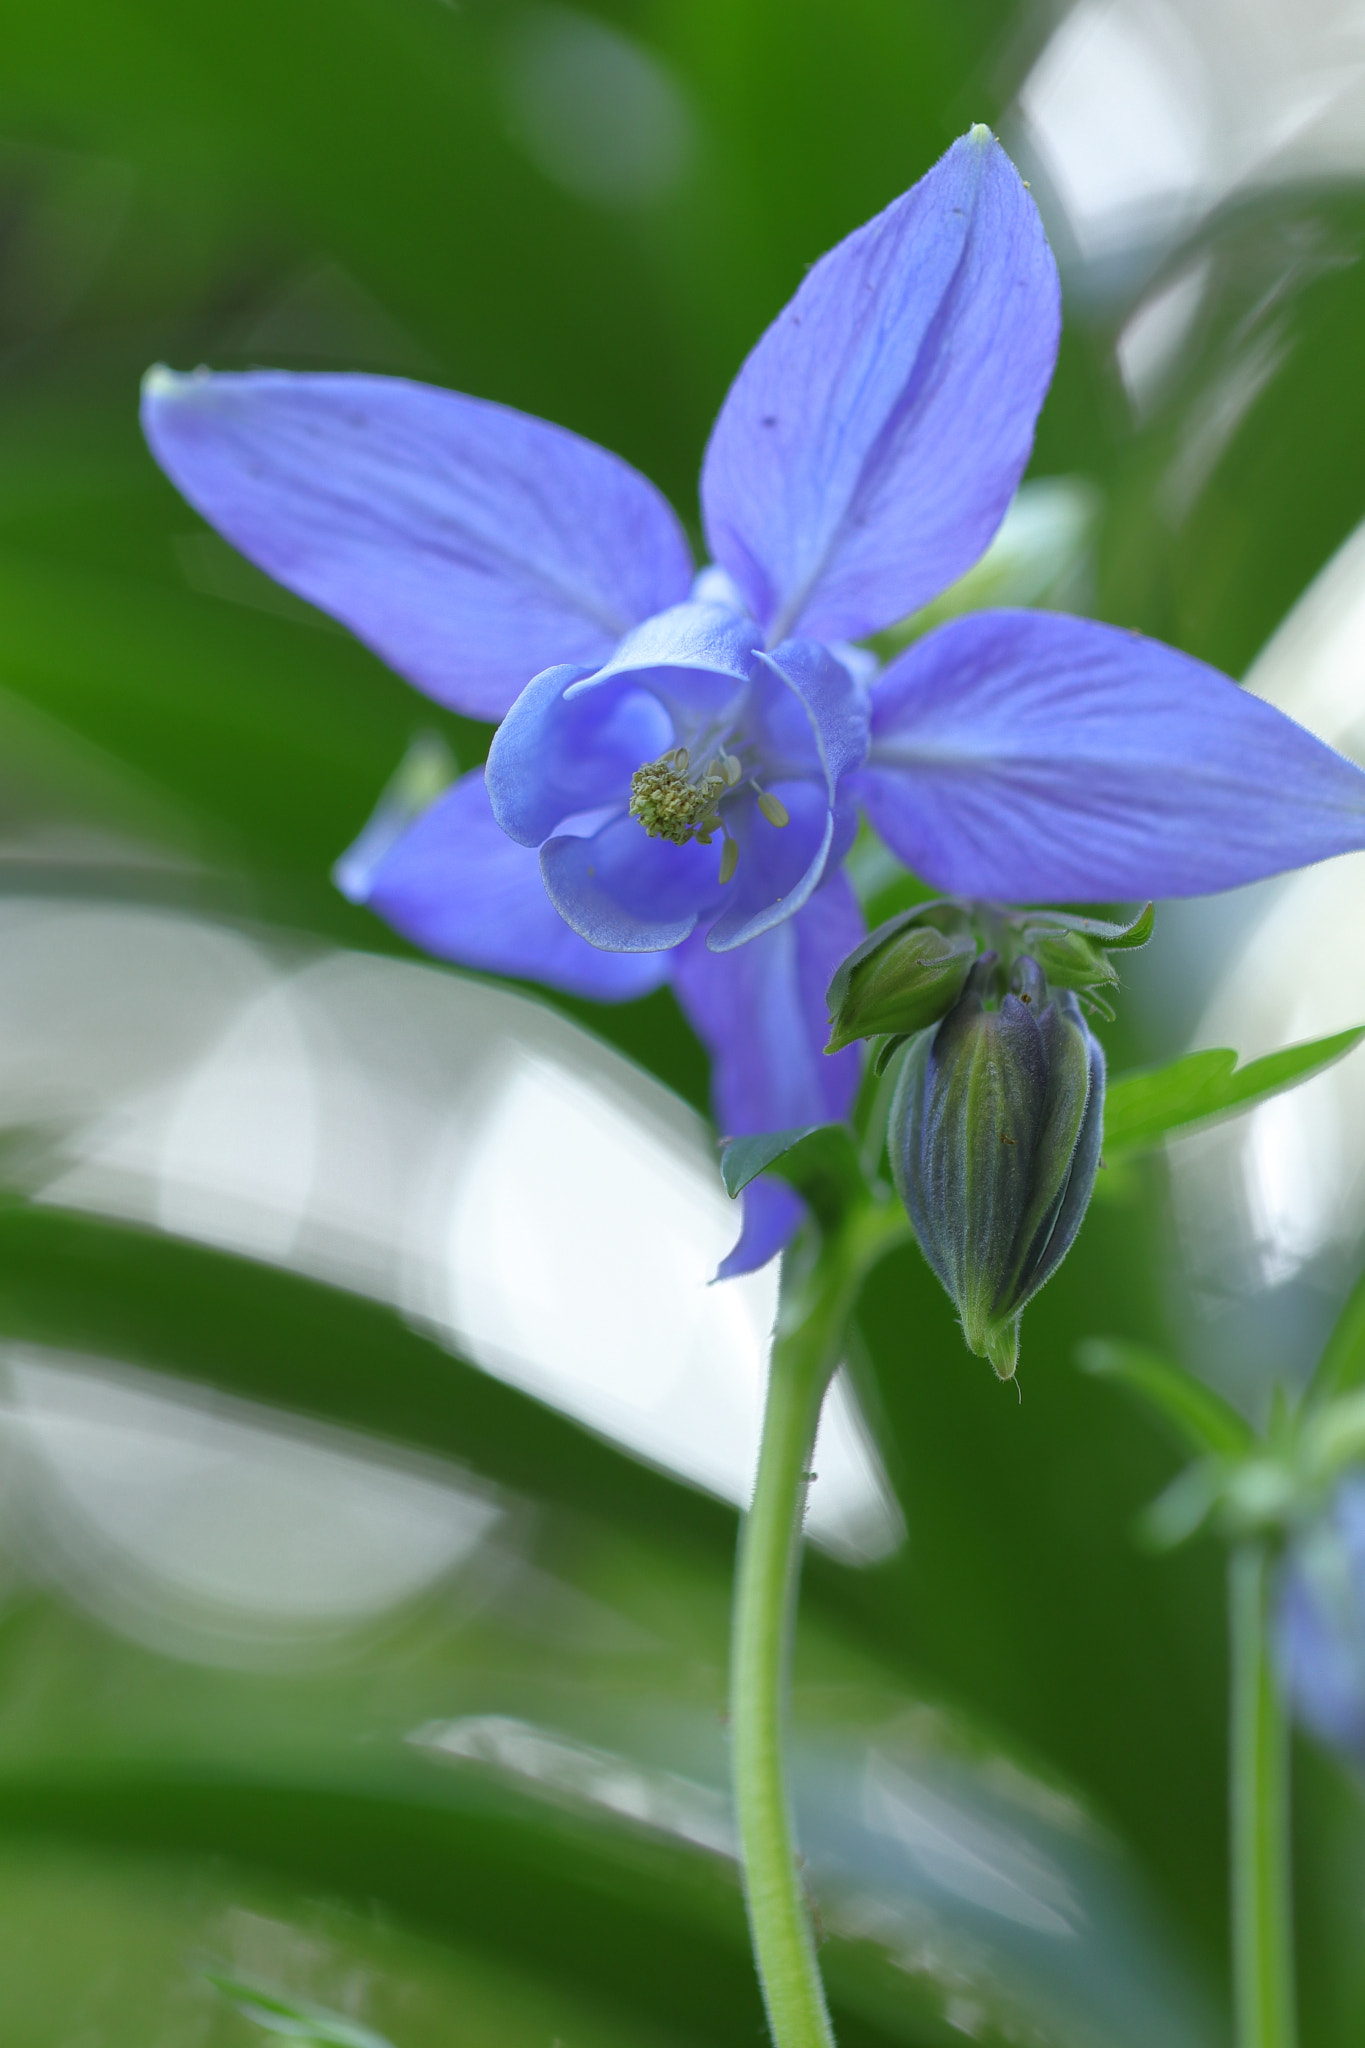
x: 760, y: 1012
x: 469, y: 545
x: 834, y: 712
x: 869, y: 446
x: 779, y: 866
x: 695, y: 657
x: 457, y: 886
x: 556, y: 755
x: 623, y: 890
x: 1025, y: 756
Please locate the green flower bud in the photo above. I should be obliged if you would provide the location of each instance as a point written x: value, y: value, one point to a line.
x: 1069, y: 959
x: 905, y: 975
x: 994, y: 1140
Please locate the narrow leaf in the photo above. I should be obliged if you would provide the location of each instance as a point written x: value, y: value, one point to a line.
x: 1202, y: 1420
x: 1113, y: 937
x: 1125, y: 938
x: 1342, y: 1365
x: 1141, y: 1108
x: 311, y: 2026
x: 887, y: 1051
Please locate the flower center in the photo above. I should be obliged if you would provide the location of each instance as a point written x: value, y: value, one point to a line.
x: 670, y: 804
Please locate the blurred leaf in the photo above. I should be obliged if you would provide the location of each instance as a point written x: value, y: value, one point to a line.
x: 1182, y: 1510
x: 1334, y: 1437
x: 1202, y: 1420
x: 1342, y: 1365
x: 1141, y: 1108
x: 308, y: 2024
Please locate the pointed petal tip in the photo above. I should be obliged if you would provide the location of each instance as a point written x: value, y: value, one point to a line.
x: 980, y: 134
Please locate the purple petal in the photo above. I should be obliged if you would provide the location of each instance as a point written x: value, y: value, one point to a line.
x: 556, y: 755
x: 469, y: 545
x: 772, y: 1213
x: 696, y: 658
x: 457, y: 886
x: 760, y: 1012
x: 869, y: 446
x: 1030, y: 757
x: 779, y: 865
x: 625, y: 891
x: 835, y: 708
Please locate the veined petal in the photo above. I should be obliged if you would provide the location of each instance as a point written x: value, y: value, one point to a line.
x: 696, y: 658
x: 469, y: 545
x: 869, y: 446
x: 627, y: 892
x: 760, y: 1013
x: 1031, y: 757
x: 772, y: 1213
x: 834, y: 703
x: 779, y: 865
x: 457, y: 886
x: 556, y: 755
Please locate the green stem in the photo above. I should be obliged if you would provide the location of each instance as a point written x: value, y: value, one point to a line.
x: 812, y: 1325
x: 1262, y: 1920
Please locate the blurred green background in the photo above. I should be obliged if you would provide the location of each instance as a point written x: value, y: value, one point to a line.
x: 590, y: 215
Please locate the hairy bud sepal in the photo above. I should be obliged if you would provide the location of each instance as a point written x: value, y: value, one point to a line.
x: 994, y: 1141
x: 905, y: 975
x: 1069, y: 959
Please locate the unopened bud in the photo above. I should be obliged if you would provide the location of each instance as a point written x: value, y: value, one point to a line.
x: 1069, y: 959
x: 994, y: 1139
x: 905, y: 976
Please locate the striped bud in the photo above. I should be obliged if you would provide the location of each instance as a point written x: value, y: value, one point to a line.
x: 994, y: 1140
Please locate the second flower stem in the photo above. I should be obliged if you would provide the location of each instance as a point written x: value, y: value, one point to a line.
x: 1262, y: 1919
x: 812, y: 1325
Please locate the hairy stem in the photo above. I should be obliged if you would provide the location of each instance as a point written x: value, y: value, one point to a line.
x: 1262, y: 1921
x: 812, y: 1324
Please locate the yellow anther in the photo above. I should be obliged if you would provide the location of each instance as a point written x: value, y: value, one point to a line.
x: 666, y: 803
x: 729, y: 860
x: 776, y: 813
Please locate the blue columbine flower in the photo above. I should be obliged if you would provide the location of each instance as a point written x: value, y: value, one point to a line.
x: 677, y: 775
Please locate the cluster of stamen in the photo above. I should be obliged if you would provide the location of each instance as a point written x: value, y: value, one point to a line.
x: 673, y: 804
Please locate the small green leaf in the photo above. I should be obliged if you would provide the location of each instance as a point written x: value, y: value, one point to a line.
x: 743, y: 1159
x: 310, y: 2025
x: 1203, y: 1420
x: 820, y: 1162
x: 1141, y: 1108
